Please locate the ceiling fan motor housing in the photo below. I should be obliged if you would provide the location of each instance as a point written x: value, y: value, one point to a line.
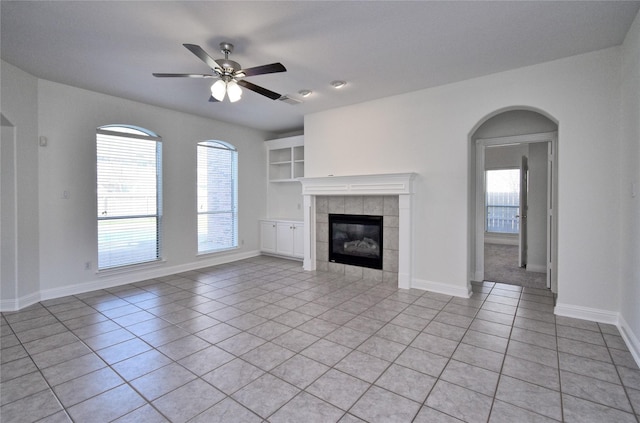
x: 228, y: 66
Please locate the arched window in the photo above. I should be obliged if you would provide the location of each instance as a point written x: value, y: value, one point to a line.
x: 217, y: 205
x: 129, y: 191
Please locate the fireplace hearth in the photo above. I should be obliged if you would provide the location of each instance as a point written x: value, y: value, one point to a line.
x: 356, y: 240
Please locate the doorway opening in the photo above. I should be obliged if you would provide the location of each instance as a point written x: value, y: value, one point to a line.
x: 512, y: 191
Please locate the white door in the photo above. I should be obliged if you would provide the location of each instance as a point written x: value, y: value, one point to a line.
x: 268, y: 236
x: 522, y: 239
x: 298, y: 240
x: 284, y: 238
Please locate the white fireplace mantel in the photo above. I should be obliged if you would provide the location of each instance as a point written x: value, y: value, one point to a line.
x: 400, y: 184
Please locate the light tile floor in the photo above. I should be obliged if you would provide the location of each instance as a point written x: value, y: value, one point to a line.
x: 261, y: 340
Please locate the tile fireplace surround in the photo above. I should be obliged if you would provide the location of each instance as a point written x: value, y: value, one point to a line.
x: 344, y: 194
x: 372, y: 205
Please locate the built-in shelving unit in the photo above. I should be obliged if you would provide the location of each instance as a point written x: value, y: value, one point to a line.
x: 285, y: 159
x: 285, y: 165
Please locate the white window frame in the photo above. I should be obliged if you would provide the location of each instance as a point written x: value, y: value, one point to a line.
x: 118, y: 249
x: 208, y: 239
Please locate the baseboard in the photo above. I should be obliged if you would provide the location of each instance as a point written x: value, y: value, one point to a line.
x: 441, y: 288
x: 19, y: 303
x: 109, y: 281
x: 604, y: 316
x: 587, y: 313
x: 283, y: 257
x: 632, y: 341
x: 501, y: 239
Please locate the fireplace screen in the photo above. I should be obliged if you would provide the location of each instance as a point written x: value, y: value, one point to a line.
x: 355, y: 240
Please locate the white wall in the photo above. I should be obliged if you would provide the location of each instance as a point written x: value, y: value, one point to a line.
x: 630, y: 206
x: 20, y: 108
x: 66, y: 228
x: 504, y: 157
x: 428, y: 132
x: 284, y: 200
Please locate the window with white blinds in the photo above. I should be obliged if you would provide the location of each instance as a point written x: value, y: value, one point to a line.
x: 129, y: 187
x: 217, y: 201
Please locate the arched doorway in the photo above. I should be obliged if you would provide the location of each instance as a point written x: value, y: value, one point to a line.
x: 523, y: 142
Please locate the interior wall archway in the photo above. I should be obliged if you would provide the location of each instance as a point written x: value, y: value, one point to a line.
x: 506, y: 126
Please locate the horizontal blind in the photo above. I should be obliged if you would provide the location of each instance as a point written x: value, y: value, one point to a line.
x: 217, y: 196
x: 128, y: 204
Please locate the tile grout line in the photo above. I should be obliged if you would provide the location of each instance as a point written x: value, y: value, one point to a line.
x: 555, y: 325
x: 39, y: 370
x: 343, y: 286
x: 107, y: 365
x: 504, y: 357
x: 424, y: 403
x: 338, y: 370
x: 615, y: 366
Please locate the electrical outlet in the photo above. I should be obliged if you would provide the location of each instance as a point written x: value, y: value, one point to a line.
x: 87, y: 265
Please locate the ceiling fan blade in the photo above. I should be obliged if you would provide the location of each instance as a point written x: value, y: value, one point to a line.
x: 260, y: 70
x: 255, y: 88
x: 202, y: 55
x: 183, y: 75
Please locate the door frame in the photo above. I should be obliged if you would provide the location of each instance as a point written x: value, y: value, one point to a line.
x: 552, y: 189
x: 522, y: 235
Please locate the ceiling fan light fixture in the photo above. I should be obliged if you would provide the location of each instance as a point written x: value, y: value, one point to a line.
x: 338, y: 84
x: 219, y: 89
x: 234, y: 91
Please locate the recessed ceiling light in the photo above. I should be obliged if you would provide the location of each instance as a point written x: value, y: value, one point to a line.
x: 338, y: 84
x: 305, y: 93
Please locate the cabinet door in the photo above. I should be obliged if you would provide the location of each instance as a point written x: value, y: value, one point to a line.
x: 284, y: 238
x: 268, y: 237
x: 298, y: 240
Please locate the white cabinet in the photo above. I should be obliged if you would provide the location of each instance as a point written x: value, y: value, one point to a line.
x: 268, y: 237
x: 282, y: 237
x: 285, y: 159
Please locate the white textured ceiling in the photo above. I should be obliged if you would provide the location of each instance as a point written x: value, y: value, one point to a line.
x: 381, y: 48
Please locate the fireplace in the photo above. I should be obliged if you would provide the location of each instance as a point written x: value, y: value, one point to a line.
x: 356, y: 240
x: 361, y: 195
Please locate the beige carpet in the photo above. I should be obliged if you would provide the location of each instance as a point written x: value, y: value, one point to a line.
x: 501, y: 265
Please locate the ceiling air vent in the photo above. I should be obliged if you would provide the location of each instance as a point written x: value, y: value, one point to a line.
x: 290, y: 100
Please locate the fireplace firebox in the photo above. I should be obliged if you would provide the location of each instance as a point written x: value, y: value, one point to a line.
x: 355, y: 240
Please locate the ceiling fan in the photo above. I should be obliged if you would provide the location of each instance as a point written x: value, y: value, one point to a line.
x: 229, y: 74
